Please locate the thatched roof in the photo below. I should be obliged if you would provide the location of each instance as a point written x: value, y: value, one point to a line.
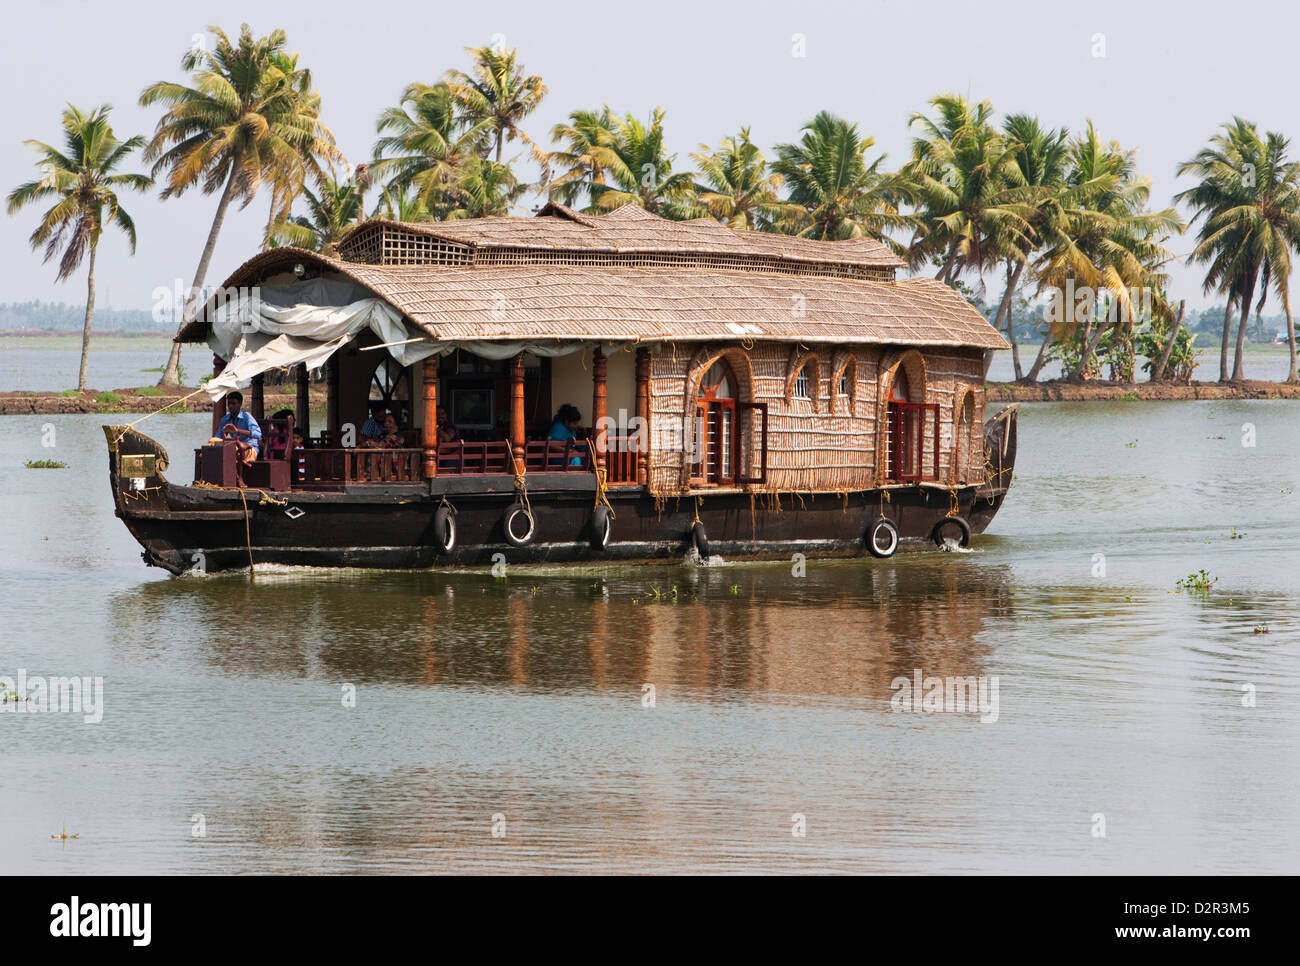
x: 629, y: 230
x: 675, y: 289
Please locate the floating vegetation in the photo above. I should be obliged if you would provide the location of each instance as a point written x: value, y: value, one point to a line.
x: 658, y: 594
x: 1132, y: 444
x: 735, y: 590
x: 45, y: 465
x: 1261, y: 628
x: 1198, y: 582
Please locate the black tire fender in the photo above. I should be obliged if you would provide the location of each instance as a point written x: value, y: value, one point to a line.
x: 882, y: 538
x: 509, y: 521
x: 936, y: 532
x: 444, y: 529
x: 602, y: 527
x: 700, y: 540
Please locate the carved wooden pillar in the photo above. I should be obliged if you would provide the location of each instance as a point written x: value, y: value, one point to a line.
x: 643, y: 415
x: 429, y: 431
x: 302, y: 416
x: 257, y: 404
x: 517, y: 411
x: 332, y: 418
x: 218, y: 407
x: 599, y: 368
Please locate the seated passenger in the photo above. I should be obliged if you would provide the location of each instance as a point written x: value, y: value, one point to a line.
x: 390, y: 438
x: 373, y: 427
x: 241, y: 427
x: 564, y: 428
x: 447, y: 431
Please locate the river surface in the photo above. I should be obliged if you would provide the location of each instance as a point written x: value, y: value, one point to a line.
x: 519, y: 706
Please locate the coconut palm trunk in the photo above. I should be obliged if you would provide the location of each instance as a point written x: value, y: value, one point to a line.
x: 1159, y: 373
x: 1290, y: 339
x: 90, y: 314
x: 1004, y: 311
x: 171, y: 374
x: 1237, y: 373
x: 1039, y: 360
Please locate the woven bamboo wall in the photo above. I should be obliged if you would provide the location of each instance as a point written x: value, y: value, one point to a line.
x: 818, y: 443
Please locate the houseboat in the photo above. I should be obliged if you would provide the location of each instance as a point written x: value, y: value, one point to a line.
x: 741, y: 394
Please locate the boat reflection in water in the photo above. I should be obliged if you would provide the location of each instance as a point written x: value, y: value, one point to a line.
x: 845, y: 630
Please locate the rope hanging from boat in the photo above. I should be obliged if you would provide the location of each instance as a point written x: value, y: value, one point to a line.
x: 521, y: 484
x: 602, y: 474
x: 248, y: 535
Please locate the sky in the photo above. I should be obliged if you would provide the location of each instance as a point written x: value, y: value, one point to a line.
x: 1169, y: 74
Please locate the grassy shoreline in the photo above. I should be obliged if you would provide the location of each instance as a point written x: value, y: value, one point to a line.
x: 140, y: 399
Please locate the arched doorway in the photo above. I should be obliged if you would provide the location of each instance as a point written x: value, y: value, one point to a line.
x: 715, y: 426
x: 390, y: 385
x: 908, y: 457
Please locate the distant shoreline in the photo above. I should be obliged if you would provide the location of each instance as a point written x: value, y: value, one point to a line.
x: 131, y: 400
x: 1095, y: 391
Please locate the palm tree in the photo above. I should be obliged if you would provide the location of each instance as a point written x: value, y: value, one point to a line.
x: 837, y: 193
x: 1248, y: 203
x: 624, y: 163
x: 1035, y: 177
x: 245, y: 117
x: 962, y: 169
x: 424, y: 145
x: 403, y: 204
x: 81, y: 183
x: 499, y: 92
x: 587, y: 138
x: 330, y: 215
x: 288, y: 173
x: 736, y: 188
x: 484, y: 189
x: 1100, y: 235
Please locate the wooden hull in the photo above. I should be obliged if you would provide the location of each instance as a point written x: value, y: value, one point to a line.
x: 392, y: 526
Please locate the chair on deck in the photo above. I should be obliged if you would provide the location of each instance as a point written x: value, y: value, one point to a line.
x: 276, y: 462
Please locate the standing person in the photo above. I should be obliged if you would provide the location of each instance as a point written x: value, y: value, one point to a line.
x: 240, y: 426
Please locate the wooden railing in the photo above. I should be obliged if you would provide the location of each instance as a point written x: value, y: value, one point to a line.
x: 461, y: 458
x: 362, y: 465
x: 620, y: 460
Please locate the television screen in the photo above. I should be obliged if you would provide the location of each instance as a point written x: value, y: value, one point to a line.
x: 472, y: 408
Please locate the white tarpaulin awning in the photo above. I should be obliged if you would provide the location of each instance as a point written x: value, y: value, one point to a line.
x: 279, y: 326
x: 306, y: 322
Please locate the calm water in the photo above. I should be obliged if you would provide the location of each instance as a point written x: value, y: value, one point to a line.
x: 522, y: 697
x: 51, y: 363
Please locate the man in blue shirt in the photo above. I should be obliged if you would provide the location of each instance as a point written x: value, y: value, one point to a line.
x: 373, y: 427
x: 241, y: 427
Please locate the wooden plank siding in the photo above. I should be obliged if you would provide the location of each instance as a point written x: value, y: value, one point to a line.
x: 812, y: 447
